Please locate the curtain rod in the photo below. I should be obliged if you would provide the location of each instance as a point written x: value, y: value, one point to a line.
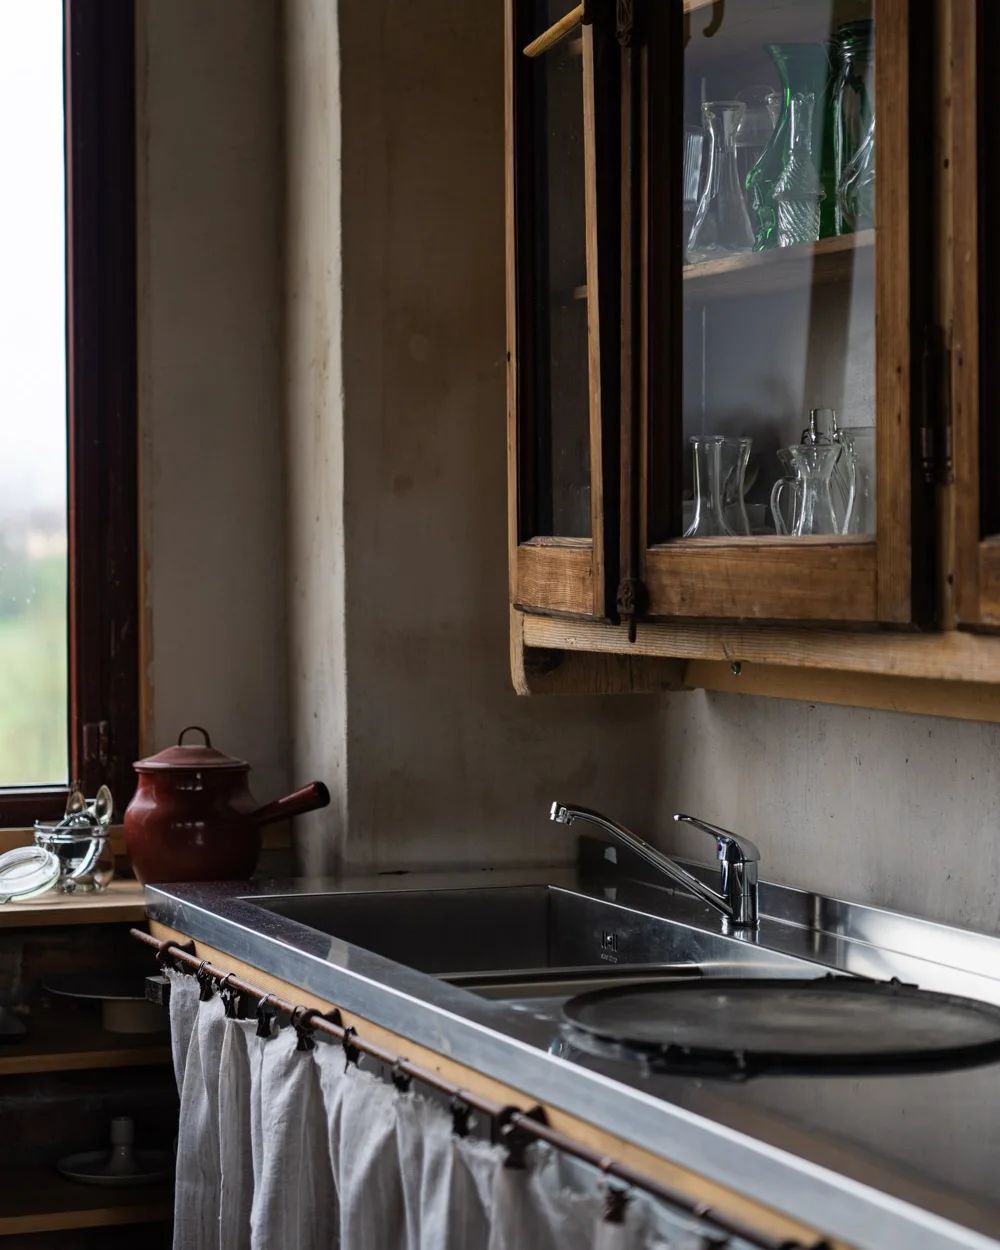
x: 517, y: 1128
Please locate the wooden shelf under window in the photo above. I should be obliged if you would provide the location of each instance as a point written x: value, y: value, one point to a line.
x: 781, y: 269
x: 122, y: 901
x: 39, y: 1200
x: 60, y: 1043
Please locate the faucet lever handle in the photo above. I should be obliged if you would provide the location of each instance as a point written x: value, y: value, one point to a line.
x: 747, y: 851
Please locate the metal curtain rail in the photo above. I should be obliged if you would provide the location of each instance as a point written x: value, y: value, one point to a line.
x: 517, y: 1128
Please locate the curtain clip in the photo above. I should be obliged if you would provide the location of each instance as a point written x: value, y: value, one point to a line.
x: 615, y: 1201
x: 461, y: 1115
x: 232, y: 999
x: 265, y: 1017
x: 352, y: 1052
x: 165, y: 954
x: 402, y: 1080
x: 302, y: 1024
x: 511, y: 1134
x: 204, y: 978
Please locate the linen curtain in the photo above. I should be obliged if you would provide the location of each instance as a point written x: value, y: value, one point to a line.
x: 283, y: 1147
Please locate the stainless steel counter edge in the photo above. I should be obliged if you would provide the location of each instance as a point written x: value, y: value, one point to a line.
x: 484, y: 1035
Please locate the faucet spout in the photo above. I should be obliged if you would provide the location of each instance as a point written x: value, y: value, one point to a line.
x: 738, y: 857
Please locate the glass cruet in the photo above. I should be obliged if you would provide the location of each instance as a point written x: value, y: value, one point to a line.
x: 798, y: 191
x: 812, y: 510
x: 721, y: 222
x: 720, y: 466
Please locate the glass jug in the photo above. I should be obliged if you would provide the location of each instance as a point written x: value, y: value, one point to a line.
x: 720, y: 466
x: 854, y: 124
x: 812, y: 510
x: 798, y: 192
x: 859, y: 443
x: 721, y: 223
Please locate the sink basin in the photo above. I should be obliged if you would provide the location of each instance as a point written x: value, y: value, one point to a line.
x: 484, y: 937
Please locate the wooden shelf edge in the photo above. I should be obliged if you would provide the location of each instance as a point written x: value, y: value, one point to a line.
x: 122, y: 901
x: 952, y: 674
x: 783, y: 268
x: 27, y: 1064
x: 67, y: 1205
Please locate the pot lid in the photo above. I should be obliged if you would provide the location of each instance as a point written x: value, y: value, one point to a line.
x: 200, y: 755
x: 26, y: 871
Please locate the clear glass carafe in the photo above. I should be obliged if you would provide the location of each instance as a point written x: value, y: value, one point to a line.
x: 721, y: 223
x: 720, y: 466
x: 802, y: 68
x: 798, y: 192
x: 812, y: 509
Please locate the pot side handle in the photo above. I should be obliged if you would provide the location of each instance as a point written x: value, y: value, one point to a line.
x: 308, y: 799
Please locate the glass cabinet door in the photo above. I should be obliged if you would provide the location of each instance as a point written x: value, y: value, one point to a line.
x: 557, y: 529
x: 784, y: 313
x: 972, y: 299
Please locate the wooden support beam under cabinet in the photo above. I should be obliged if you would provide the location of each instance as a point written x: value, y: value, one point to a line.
x: 555, y: 671
x: 953, y: 674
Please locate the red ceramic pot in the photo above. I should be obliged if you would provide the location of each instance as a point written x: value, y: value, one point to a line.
x: 193, y: 817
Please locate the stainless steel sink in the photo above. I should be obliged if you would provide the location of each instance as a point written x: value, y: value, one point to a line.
x: 496, y: 939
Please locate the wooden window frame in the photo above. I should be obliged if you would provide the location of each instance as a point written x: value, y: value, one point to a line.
x: 888, y: 580
x: 103, y: 616
x: 551, y: 573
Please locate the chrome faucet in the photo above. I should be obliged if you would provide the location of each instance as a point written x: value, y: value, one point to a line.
x: 738, y: 856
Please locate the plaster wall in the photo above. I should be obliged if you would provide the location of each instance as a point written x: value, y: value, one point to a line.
x: 386, y: 585
x: 210, y: 197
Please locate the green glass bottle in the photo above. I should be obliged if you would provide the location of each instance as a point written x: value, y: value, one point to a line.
x: 803, y: 68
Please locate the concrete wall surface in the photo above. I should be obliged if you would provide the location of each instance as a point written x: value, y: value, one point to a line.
x: 210, y: 173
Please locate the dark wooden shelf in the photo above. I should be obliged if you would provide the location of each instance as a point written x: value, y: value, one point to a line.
x: 781, y: 269
x: 58, y: 1042
x: 39, y: 1200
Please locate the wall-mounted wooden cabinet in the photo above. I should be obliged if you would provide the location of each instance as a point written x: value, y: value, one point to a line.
x: 748, y: 280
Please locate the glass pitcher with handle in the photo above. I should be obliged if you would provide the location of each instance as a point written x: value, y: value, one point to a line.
x: 810, y: 473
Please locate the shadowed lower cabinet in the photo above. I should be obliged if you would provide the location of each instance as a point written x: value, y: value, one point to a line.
x: 752, y: 319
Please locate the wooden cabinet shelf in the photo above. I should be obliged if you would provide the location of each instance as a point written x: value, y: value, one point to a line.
x: 56, y: 1043
x: 781, y: 269
x: 39, y: 1200
x: 122, y: 901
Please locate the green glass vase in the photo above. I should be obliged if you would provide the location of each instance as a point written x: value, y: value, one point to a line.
x: 803, y: 68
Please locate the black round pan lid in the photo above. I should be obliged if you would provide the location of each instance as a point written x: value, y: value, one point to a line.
x: 829, y: 1025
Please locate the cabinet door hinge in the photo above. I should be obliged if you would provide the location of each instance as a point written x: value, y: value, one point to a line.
x: 97, y: 744
x: 936, y: 460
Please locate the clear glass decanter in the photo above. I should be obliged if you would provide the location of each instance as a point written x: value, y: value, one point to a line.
x: 799, y: 192
x: 720, y: 466
x: 721, y: 222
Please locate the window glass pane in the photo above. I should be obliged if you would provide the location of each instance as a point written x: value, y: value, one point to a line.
x: 559, y: 475
x: 780, y: 235
x: 33, y: 535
